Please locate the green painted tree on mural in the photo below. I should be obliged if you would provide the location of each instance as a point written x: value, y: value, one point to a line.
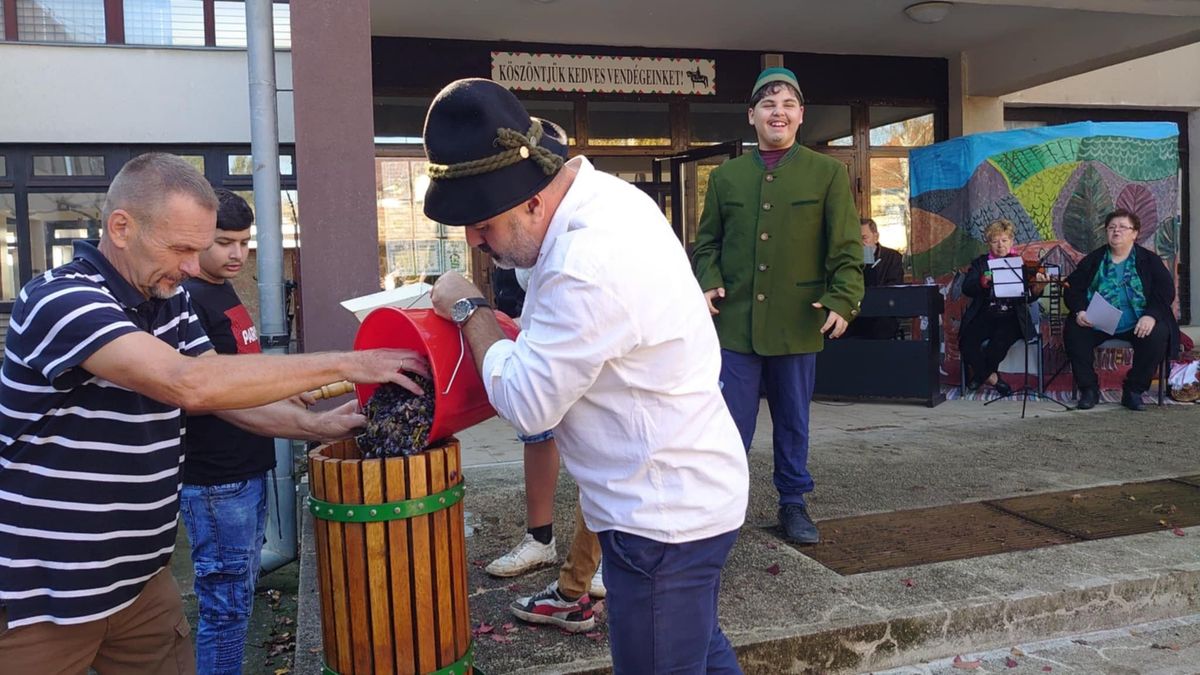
x: 1081, y: 224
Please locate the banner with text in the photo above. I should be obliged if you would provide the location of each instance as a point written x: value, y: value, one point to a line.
x: 604, y: 74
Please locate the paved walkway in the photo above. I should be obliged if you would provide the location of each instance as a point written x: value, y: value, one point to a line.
x: 787, y: 613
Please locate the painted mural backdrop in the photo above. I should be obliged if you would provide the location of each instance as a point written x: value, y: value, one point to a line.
x: 1056, y: 184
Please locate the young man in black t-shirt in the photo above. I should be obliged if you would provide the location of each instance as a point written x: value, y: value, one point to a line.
x: 224, y: 498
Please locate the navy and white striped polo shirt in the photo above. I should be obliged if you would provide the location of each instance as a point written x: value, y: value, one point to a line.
x: 89, y: 470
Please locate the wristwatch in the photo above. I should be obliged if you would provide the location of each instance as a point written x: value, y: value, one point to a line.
x: 461, y: 311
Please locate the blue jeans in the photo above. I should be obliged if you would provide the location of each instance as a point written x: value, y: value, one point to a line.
x: 662, y: 604
x: 226, y: 526
x: 788, y: 381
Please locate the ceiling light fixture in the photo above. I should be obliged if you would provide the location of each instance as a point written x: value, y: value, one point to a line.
x: 928, y: 12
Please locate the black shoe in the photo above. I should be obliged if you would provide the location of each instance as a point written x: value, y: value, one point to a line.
x: 1002, y: 387
x: 1132, y: 400
x: 974, y: 383
x: 797, y: 525
x: 1088, y: 398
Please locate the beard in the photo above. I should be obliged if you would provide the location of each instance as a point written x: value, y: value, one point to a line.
x: 523, y: 249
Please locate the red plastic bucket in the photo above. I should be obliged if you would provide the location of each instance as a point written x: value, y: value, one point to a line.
x: 464, y: 404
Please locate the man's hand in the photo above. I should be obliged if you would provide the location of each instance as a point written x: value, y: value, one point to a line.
x: 711, y: 297
x: 835, y: 325
x: 386, y: 365
x: 1144, y: 326
x: 449, y: 289
x: 338, y: 423
x: 1082, y: 320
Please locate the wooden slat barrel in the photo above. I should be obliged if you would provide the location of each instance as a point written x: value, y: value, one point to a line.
x: 392, y: 562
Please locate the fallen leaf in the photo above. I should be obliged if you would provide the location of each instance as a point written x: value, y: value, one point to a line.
x: 772, y: 546
x: 478, y: 563
x: 282, y: 671
x: 1015, y: 651
x: 1178, y: 532
x: 513, y: 588
x: 962, y: 664
x: 1010, y: 662
x: 483, y: 628
x: 509, y: 628
x: 1173, y: 647
x: 500, y: 638
x: 908, y: 583
x: 1046, y: 669
x: 773, y: 570
x: 314, y: 650
x: 595, y: 635
x: 598, y: 607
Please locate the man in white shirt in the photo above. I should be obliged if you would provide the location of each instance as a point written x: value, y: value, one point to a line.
x: 618, y: 356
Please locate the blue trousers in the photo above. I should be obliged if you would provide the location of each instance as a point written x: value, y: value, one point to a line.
x: 226, y: 525
x: 788, y: 381
x: 662, y: 604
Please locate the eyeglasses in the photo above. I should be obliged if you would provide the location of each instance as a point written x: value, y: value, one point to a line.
x: 1118, y: 228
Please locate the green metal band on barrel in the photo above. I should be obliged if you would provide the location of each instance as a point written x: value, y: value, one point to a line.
x: 376, y: 513
x: 459, y: 667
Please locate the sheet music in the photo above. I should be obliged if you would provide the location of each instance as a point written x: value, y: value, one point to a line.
x: 1008, y: 277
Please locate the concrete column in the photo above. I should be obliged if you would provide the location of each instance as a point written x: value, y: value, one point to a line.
x: 970, y: 114
x: 956, y: 93
x: 335, y: 163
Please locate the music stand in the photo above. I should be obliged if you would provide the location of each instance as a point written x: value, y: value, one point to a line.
x: 1015, y: 274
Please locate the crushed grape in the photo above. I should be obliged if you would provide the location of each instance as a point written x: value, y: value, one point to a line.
x: 398, y: 421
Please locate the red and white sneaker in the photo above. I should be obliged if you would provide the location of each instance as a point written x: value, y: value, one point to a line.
x: 550, y: 607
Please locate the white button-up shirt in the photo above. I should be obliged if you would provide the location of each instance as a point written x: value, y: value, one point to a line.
x: 619, y: 356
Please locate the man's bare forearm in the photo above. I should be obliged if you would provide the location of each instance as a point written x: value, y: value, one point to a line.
x: 481, y: 332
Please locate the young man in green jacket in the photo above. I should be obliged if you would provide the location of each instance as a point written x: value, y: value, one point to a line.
x: 779, y: 256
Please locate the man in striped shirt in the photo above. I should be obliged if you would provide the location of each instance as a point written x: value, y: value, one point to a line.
x: 96, y: 371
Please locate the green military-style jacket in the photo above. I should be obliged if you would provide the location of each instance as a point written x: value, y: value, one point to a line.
x: 778, y: 241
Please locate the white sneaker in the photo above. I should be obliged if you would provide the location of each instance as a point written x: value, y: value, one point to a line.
x: 597, y: 589
x: 528, y: 555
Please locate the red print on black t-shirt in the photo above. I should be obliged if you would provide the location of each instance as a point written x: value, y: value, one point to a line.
x: 244, y: 333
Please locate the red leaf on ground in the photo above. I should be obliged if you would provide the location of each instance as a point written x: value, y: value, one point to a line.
x: 962, y: 664
x: 1046, y: 669
x: 1010, y: 662
x: 772, y: 546
x: 500, y: 638
x: 1178, y: 532
x: 483, y: 629
x: 513, y: 588
x: 594, y: 635
x: 773, y: 570
x: 478, y: 563
x: 909, y: 583
x: 598, y: 607
x: 508, y: 627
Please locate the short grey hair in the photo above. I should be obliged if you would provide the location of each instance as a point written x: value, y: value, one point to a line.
x: 144, y: 184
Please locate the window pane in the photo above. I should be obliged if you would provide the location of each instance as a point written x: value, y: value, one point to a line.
x: 561, y: 113
x: 58, y: 219
x: 61, y: 20
x: 9, y: 257
x: 230, y: 19
x: 628, y: 124
x: 3, y: 33
x: 889, y: 200
x: 826, y: 125
x: 164, y: 22
x: 720, y: 122
x: 68, y: 165
x: 3, y: 161
x: 412, y: 248
x: 400, y: 119
x: 903, y: 127
x: 289, y: 217
x: 243, y: 165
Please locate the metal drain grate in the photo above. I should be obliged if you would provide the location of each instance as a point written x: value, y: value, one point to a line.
x: 885, y: 541
x: 1113, y: 511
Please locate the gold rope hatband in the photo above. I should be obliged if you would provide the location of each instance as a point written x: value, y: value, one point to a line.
x: 520, y: 147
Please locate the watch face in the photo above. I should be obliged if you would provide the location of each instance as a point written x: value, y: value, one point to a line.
x: 461, y: 310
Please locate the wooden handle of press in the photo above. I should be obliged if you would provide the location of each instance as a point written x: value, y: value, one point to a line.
x: 332, y: 390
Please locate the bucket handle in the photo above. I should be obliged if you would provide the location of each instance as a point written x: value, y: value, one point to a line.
x: 462, y: 352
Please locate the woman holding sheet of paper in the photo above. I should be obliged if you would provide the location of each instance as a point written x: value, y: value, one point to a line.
x: 1131, y: 287
x: 998, y: 315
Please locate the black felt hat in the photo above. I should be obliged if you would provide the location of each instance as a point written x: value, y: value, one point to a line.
x: 486, y: 154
